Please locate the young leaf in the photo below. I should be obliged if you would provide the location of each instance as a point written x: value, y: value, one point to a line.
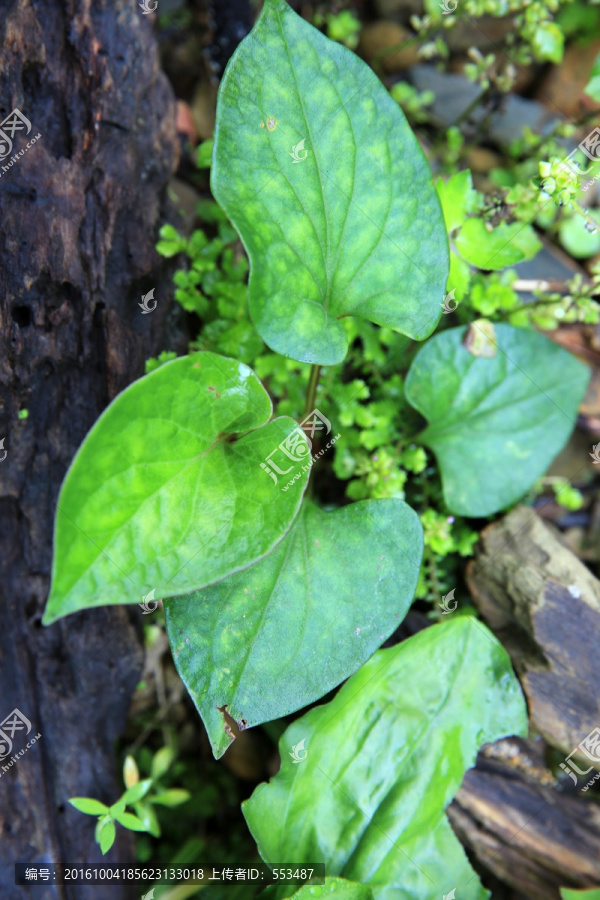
x: 128, y: 820
x: 380, y: 763
x: 278, y: 636
x: 504, y: 246
x: 334, y: 888
x: 147, y: 815
x: 137, y: 791
x: 317, y: 168
x: 171, y: 797
x: 159, y: 498
x: 161, y: 761
x: 107, y: 836
x: 88, y: 806
x: 458, y: 198
x: 495, y: 423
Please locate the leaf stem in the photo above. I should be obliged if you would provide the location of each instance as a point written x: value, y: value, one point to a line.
x: 313, y: 381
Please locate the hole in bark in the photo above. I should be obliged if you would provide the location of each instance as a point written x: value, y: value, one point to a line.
x: 21, y: 315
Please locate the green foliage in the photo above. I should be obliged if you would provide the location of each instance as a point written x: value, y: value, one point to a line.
x: 139, y: 795
x: 354, y: 228
x: 161, y: 497
x: 259, y: 643
x: 383, y: 824
x: 188, y: 487
x: 509, y: 412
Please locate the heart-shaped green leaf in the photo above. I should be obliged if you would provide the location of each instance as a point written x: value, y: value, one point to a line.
x: 279, y: 635
x: 160, y: 500
x: 495, y: 424
x: 318, y: 170
x: 366, y: 793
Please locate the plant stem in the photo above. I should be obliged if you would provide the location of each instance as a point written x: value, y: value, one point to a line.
x: 313, y: 381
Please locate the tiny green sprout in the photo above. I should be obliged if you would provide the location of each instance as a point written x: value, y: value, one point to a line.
x: 140, y: 795
x: 23, y: 414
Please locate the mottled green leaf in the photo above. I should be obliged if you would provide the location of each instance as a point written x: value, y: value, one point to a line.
x: 161, y: 499
x: 384, y: 758
x: 279, y: 635
x: 320, y: 173
x: 495, y: 423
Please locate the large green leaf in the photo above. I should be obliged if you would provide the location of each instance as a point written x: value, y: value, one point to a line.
x: 495, y: 424
x: 384, y: 759
x: 334, y: 889
x: 160, y: 497
x: 279, y: 635
x: 349, y: 222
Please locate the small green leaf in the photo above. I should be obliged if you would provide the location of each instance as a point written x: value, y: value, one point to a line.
x: 107, y: 836
x: 117, y: 808
x: 365, y: 779
x: 578, y: 240
x: 88, y: 806
x: 148, y: 817
x: 458, y: 198
x: 568, y: 894
x: 317, y: 168
x: 160, y: 498
x: 495, y: 423
x: 172, y: 797
x: 335, y: 888
x: 128, y: 820
x: 504, y: 246
x: 204, y: 157
x: 279, y: 635
x: 161, y: 761
x: 592, y: 88
x: 548, y: 43
x: 137, y: 791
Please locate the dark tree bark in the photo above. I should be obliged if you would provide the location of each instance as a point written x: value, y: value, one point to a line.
x: 80, y: 210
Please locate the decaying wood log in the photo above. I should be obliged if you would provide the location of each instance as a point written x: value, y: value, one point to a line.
x: 543, y: 603
x: 81, y: 209
x: 534, y: 829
